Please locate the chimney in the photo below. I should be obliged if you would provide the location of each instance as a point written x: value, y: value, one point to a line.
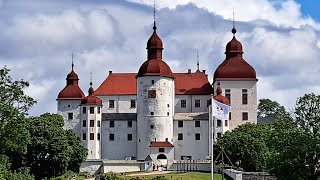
x: 110, y: 72
x: 204, y: 71
x: 189, y: 71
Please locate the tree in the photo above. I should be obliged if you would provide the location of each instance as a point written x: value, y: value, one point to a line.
x: 246, y: 146
x: 296, y: 142
x: 269, y: 110
x: 52, y: 150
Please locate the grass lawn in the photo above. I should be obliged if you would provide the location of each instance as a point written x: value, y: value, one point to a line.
x: 178, y: 176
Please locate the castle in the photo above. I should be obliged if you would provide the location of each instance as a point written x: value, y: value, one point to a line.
x: 157, y: 115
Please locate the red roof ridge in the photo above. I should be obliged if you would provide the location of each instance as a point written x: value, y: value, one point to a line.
x: 161, y: 144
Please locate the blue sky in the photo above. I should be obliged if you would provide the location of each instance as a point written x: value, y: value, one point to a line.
x: 310, y: 8
x: 281, y: 40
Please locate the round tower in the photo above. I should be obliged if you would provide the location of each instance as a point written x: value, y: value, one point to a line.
x: 238, y: 79
x: 69, y: 100
x: 155, y: 103
x: 91, y: 124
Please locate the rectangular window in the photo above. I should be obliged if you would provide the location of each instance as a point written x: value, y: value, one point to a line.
x: 180, y: 123
x: 129, y: 137
x: 151, y: 113
x: 208, y: 102
x: 197, y: 123
x: 99, y: 109
x: 84, y: 123
x: 133, y: 103
x: 218, y: 135
x: 245, y: 116
x: 91, y: 110
x: 218, y: 123
x: 197, y: 136
x: 111, y: 124
x: 111, y: 103
x: 226, y: 123
x: 197, y: 103
x: 111, y: 137
x: 168, y: 113
x: 70, y: 116
x: 244, y: 96
x: 161, y: 149
x: 84, y: 136
x: 98, y: 136
x: 152, y: 81
x: 98, y: 124
x: 84, y: 110
x: 229, y: 116
x: 151, y: 127
x: 183, y: 103
x: 91, y: 123
x: 227, y: 94
x: 180, y: 136
x: 91, y: 136
x: 129, y: 124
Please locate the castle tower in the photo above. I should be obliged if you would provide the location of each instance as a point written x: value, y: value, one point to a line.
x: 69, y: 100
x: 238, y: 79
x: 155, y: 104
x: 91, y: 124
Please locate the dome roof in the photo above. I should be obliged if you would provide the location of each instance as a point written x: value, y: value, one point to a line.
x: 91, y: 99
x: 71, y: 92
x: 234, y: 67
x: 155, y: 67
x: 219, y: 97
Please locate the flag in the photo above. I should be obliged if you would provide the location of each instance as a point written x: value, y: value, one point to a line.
x: 220, y: 110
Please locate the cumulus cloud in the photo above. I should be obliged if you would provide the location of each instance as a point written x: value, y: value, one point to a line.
x: 39, y: 36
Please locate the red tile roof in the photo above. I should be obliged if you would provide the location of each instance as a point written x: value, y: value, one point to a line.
x: 161, y: 144
x: 126, y: 84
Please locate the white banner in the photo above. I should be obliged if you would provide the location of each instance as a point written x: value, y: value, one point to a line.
x: 220, y: 110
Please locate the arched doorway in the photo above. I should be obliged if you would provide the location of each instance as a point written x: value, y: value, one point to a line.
x: 162, y: 161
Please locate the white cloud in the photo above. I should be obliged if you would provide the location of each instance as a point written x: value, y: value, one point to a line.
x: 281, y: 13
x: 39, y: 90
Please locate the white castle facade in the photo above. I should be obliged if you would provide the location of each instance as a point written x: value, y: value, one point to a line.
x: 156, y: 115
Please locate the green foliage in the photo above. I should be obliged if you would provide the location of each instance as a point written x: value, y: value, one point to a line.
x: 109, y: 176
x: 246, y: 146
x: 159, y: 178
x: 271, y: 109
x: 52, y: 150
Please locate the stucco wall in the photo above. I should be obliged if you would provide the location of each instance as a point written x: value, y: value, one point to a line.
x: 122, y: 104
x: 236, y: 101
x: 70, y: 106
x: 190, y: 103
x: 118, y: 167
x: 198, y: 149
x: 162, y: 108
x: 91, y: 166
x: 120, y: 147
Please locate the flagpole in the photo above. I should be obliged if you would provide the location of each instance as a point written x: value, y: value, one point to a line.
x: 212, y: 135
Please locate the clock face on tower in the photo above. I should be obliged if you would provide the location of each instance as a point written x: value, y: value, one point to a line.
x: 152, y: 94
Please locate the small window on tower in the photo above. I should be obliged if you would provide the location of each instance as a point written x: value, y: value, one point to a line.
x: 70, y: 116
x: 133, y: 103
x: 99, y: 109
x: 84, y: 123
x: 151, y: 127
x: 229, y: 116
x: 84, y: 136
x: 129, y: 124
x: 91, y: 110
x: 91, y: 123
x: 180, y: 136
x: 111, y: 137
x: 151, y: 113
x: 197, y: 123
x: 218, y: 123
x: 244, y: 96
x: 98, y: 124
x: 180, y: 123
x: 129, y: 137
x: 84, y: 110
x: 183, y: 103
x: 111, y: 124
x: 111, y: 103
x: 197, y: 136
x: 98, y: 136
x: 152, y: 81
x: 91, y: 136
x: 208, y: 102
x: 226, y: 123
x: 197, y: 103
x: 245, y: 116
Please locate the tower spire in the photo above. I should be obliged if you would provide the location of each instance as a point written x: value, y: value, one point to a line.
x: 90, y: 79
x: 72, y: 65
x: 154, y: 15
x: 234, y: 30
x: 198, y: 60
